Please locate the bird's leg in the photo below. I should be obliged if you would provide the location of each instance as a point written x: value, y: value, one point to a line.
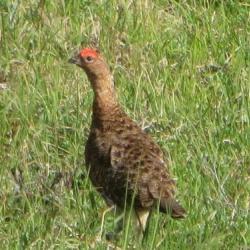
x: 118, y: 228
x: 119, y: 223
x: 103, y: 217
x: 141, y: 222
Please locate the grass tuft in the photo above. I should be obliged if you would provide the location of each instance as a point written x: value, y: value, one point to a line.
x: 181, y: 69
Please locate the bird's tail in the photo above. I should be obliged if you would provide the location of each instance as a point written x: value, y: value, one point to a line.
x: 170, y: 205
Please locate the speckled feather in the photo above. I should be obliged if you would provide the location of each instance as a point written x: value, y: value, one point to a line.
x: 123, y: 161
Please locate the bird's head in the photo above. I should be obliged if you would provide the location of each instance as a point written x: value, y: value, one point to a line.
x: 91, y: 61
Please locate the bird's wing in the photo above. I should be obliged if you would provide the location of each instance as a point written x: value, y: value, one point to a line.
x: 139, y: 164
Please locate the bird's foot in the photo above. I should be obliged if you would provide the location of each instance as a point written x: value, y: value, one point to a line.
x: 112, y: 236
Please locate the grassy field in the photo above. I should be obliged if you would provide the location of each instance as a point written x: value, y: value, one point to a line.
x: 181, y: 69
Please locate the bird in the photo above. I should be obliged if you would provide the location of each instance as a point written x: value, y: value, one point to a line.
x: 124, y: 163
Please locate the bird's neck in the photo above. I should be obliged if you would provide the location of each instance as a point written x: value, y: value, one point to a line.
x: 104, y: 95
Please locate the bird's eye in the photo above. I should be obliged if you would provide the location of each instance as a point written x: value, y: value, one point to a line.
x: 89, y: 59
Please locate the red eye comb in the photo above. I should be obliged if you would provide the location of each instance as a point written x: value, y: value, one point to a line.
x: 89, y: 52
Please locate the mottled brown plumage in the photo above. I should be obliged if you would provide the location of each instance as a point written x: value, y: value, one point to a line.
x: 124, y: 162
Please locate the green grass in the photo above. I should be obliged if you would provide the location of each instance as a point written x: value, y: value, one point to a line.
x: 181, y: 67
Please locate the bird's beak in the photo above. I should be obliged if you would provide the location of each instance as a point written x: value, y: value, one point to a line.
x: 75, y: 60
